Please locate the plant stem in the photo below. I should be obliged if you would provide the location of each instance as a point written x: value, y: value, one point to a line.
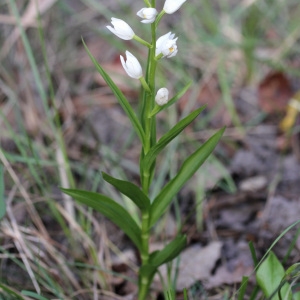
x: 159, y: 18
x: 149, y: 126
x: 140, y: 40
x: 144, y: 280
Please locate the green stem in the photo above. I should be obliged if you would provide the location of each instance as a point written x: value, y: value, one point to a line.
x: 147, y: 3
x: 158, y: 18
x: 140, y: 40
x: 144, y: 280
x: 149, y: 126
x: 145, y: 85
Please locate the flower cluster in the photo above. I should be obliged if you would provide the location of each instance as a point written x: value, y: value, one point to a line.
x: 165, y: 45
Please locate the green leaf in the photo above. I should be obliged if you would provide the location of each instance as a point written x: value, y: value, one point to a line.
x: 9, y: 291
x: 185, y: 294
x: 188, y: 168
x: 119, y: 95
x: 147, y: 270
x: 167, y: 254
x: 168, y: 137
x: 130, y: 190
x: 296, y: 296
x: 159, y: 108
x: 112, y: 210
x: 269, y: 277
x: 34, y: 295
x: 242, y: 289
x: 2, y: 198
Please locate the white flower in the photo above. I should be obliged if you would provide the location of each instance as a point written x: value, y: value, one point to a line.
x: 132, y: 66
x: 162, y: 96
x: 121, y: 29
x: 148, y: 14
x: 166, y: 45
x: 172, y: 5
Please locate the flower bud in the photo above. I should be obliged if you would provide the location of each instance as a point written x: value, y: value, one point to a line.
x: 166, y: 45
x: 148, y: 14
x: 121, y: 29
x: 132, y: 66
x: 162, y: 96
x: 172, y: 5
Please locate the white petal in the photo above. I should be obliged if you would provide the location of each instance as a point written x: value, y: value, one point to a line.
x: 148, y: 14
x: 131, y: 66
x: 121, y: 29
x: 140, y: 13
x: 173, y: 53
x: 148, y: 21
x: 172, y: 5
x: 161, y: 41
x: 123, y: 62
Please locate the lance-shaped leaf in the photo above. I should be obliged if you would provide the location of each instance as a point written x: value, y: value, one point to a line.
x: 112, y: 210
x: 167, y: 254
x: 119, y: 95
x: 159, y: 108
x: 130, y: 190
x: 168, y: 137
x: 188, y: 168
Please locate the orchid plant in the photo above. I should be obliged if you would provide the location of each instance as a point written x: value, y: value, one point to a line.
x: 152, y: 103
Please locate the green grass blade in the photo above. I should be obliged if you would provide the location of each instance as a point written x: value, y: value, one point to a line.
x: 159, y: 108
x: 171, y: 251
x: 2, y: 199
x: 34, y: 295
x: 253, y: 254
x: 189, y: 167
x: 185, y: 294
x: 130, y: 190
x: 119, y: 95
x: 242, y: 291
x: 226, y: 95
x: 10, y: 292
x: 168, y: 137
x: 112, y: 210
x: 32, y: 62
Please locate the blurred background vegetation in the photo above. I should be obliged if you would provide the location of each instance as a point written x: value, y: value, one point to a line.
x: 61, y: 126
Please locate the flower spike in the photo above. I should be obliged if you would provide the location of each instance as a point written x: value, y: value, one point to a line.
x: 121, y: 29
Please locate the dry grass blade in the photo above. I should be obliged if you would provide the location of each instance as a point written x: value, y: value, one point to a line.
x: 33, y: 10
x: 20, y: 242
x: 68, y: 202
x: 87, y: 243
x: 31, y: 209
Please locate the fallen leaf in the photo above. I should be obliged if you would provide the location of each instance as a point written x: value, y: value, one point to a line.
x: 274, y: 92
x: 224, y: 276
x: 196, y: 264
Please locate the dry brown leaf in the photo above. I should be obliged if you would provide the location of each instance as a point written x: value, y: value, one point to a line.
x: 224, y: 276
x: 196, y: 264
x: 274, y: 92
